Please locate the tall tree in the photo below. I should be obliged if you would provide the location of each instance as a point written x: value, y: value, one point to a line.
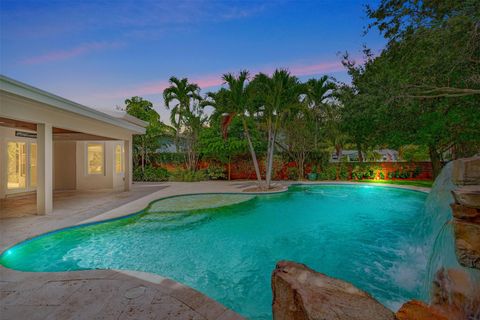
x: 317, y: 93
x: 145, y: 145
x: 424, y: 86
x: 275, y: 96
x: 186, y: 115
x: 234, y: 101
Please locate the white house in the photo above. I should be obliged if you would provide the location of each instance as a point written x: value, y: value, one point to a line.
x: 382, y: 155
x: 50, y: 143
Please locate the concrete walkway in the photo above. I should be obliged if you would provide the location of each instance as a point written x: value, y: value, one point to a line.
x: 103, y: 294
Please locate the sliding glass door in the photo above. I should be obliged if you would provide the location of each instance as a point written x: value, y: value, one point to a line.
x: 21, y: 166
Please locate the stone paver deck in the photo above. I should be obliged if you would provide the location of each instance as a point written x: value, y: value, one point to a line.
x: 101, y: 294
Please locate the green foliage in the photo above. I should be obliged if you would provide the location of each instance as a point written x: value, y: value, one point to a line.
x: 150, y: 174
x: 328, y: 173
x: 413, y: 152
x: 404, y: 172
x: 215, y: 172
x: 366, y: 171
x: 343, y: 173
x: 212, y: 145
x: 292, y: 173
x: 170, y: 157
x: 185, y: 175
x: 186, y: 115
x: 145, y: 145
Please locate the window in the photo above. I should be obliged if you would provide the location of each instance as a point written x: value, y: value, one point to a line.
x: 16, y: 165
x: 95, y: 159
x: 119, y: 159
x: 33, y: 165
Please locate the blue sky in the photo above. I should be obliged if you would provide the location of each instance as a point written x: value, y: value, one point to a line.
x: 100, y: 52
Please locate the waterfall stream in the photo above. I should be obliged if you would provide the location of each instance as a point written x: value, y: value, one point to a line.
x: 439, y: 244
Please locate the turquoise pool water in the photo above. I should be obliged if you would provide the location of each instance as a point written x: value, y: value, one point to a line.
x: 362, y: 234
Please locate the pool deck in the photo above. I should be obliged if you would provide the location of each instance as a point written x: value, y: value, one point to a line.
x: 105, y: 294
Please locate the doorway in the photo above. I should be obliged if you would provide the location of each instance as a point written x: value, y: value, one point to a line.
x: 21, y: 166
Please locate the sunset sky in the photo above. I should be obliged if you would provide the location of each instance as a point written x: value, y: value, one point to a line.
x: 99, y: 53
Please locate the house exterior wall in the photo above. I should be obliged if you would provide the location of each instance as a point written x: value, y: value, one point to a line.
x: 109, y: 179
x: 69, y: 164
x: 64, y: 165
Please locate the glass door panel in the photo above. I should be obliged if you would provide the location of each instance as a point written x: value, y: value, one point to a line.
x: 16, y: 165
x: 33, y: 165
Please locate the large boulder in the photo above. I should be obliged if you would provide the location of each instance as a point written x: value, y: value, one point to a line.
x: 300, y: 293
x: 467, y: 243
x: 417, y: 310
x: 456, y: 294
x: 466, y: 171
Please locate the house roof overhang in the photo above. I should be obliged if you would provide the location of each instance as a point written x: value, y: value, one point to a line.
x: 128, y: 122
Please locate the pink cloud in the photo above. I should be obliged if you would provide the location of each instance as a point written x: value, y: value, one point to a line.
x: 71, y: 53
x: 324, y: 67
x: 215, y: 80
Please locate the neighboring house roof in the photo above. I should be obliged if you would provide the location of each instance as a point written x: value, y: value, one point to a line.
x: 18, y: 88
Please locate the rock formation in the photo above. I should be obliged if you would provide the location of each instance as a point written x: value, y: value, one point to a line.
x: 466, y: 211
x: 300, y: 293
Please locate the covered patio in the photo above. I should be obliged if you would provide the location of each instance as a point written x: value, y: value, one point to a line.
x: 51, y: 147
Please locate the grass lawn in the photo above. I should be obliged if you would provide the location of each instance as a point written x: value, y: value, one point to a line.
x: 417, y: 183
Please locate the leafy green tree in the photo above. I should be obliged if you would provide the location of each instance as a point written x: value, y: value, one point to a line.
x: 424, y: 87
x: 213, y: 145
x: 299, y: 137
x: 145, y: 145
x: 235, y: 101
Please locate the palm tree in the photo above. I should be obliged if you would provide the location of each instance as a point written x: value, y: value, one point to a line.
x: 186, y: 114
x: 317, y: 92
x: 276, y: 97
x: 234, y: 101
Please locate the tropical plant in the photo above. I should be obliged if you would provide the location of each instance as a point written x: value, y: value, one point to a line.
x: 145, y: 145
x: 185, y: 175
x: 275, y: 98
x: 213, y: 146
x: 186, y: 115
x: 150, y: 174
x: 234, y: 101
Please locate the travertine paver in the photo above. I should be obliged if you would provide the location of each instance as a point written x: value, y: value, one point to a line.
x: 101, y: 294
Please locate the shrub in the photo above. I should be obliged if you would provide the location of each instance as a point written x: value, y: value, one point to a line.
x: 292, y: 173
x: 150, y: 174
x: 328, y: 173
x: 358, y: 172
x: 343, y: 172
x: 215, y: 172
x: 183, y: 175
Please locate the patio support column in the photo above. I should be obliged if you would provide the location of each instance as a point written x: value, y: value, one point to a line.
x: 44, y: 169
x: 127, y: 145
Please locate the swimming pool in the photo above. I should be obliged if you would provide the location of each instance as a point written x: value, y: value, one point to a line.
x: 361, y: 234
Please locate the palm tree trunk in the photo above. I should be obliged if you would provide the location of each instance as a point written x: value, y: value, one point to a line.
x: 271, y: 149
x: 253, y: 154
